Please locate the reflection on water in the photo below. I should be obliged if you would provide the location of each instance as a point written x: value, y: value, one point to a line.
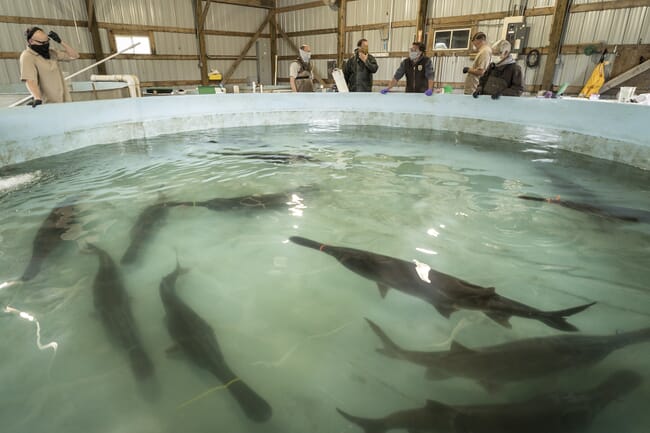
x: 276, y: 337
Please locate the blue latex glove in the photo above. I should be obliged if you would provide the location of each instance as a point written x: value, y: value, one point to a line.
x: 429, y: 92
x: 384, y: 91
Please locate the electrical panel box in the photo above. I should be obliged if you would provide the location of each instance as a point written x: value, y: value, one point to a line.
x: 263, y: 51
x: 517, y: 35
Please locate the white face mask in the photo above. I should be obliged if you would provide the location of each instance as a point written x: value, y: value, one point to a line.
x: 305, y: 56
x: 414, y: 55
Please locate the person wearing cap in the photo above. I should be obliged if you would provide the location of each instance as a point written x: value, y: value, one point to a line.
x: 481, y: 62
x: 502, y: 78
x: 418, y: 69
x: 39, y: 67
x: 301, y: 78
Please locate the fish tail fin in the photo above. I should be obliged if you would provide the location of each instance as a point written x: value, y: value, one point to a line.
x: 390, y: 349
x: 141, y: 363
x: 556, y: 319
x: 368, y: 425
x: 254, y: 406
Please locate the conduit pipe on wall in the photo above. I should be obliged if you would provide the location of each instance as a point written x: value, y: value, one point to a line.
x: 131, y: 80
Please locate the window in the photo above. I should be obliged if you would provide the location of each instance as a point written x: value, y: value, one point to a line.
x: 124, y: 41
x: 456, y: 39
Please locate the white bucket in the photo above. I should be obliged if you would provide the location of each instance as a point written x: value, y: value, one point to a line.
x: 626, y: 94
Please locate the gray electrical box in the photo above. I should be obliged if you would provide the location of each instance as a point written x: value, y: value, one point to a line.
x: 263, y: 51
x: 517, y: 35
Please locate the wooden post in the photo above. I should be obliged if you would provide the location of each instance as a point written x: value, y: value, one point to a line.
x: 274, y: 46
x: 560, y: 18
x: 94, y: 33
x: 341, y: 34
x: 420, y: 30
x: 248, y: 46
x: 201, y: 15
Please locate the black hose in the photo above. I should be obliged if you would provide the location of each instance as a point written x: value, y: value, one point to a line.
x: 532, y: 59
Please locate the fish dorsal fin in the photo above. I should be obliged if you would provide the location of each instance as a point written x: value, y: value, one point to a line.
x: 456, y: 347
x: 445, y: 310
x: 383, y: 289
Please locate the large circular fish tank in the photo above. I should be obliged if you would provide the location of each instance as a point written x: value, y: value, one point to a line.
x: 325, y: 263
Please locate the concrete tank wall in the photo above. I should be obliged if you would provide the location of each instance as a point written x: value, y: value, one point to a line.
x: 617, y: 132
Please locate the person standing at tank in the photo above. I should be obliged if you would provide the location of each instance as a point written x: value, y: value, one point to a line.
x: 504, y: 77
x: 39, y: 67
x: 418, y: 69
x: 301, y: 77
x: 359, y: 68
x: 481, y: 62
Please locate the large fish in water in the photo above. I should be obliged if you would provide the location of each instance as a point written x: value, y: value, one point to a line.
x: 612, y: 212
x: 446, y: 293
x: 566, y: 412
x: 274, y: 158
x: 254, y: 201
x: 529, y: 358
x: 144, y: 228
x: 195, y: 338
x: 49, y: 238
x: 113, y: 307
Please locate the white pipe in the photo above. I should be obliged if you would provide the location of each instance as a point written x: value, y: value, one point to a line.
x: 132, y: 81
x: 275, y: 77
x: 25, y: 99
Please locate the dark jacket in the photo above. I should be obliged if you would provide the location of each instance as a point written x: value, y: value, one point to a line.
x: 358, y: 74
x: 504, y: 78
x: 417, y: 73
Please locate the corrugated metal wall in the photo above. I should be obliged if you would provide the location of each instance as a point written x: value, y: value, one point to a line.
x: 178, y: 14
x: 621, y: 26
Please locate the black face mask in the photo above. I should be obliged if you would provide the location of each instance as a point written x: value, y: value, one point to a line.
x: 42, y: 50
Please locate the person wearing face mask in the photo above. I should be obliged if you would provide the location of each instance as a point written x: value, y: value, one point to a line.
x: 39, y: 67
x: 300, y: 75
x: 418, y: 69
x: 481, y: 62
x: 359, y: 68
x: 502, y: 78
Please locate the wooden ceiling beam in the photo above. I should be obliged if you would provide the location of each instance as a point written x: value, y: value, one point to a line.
x: 263, y: 4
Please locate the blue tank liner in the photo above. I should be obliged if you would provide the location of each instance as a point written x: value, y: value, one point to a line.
x: 612, y: 131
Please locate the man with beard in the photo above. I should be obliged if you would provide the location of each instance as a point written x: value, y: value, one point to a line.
x: 39, y: 67
x: 359, y: 68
